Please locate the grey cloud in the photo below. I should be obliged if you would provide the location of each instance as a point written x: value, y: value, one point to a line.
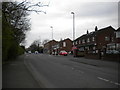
x: 93, y: 9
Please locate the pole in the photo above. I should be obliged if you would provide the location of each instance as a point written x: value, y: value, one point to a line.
x: 52, y: 32
x: 73, y: 25
x: 52, y: 40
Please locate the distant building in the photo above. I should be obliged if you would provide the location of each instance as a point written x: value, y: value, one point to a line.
x: 118, y: 39
x: 65, y: 44
x: 49, y: 45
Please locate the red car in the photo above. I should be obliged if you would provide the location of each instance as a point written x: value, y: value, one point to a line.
x: 63, y: 53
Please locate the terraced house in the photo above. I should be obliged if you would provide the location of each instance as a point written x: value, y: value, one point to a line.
x: 65, y: 44
x: 95, y: 44
x: 49, y: 45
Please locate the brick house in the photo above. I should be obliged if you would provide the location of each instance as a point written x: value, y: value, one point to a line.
x: 65, y: 44
x: 118, y: 39
x: 48, y: 46
x: 113, y: 48
x: 96, y: 41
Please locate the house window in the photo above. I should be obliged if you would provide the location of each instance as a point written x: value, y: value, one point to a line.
x: 88, y: 40
x: 83, y: 41
x: 93, y: 38
x: 87, y: 48
x: 81, y: 49
x: 112, y: 39
x: 107, y: 38
x: 117, y: 34
x: 79, y: 42
x: 64, y: 44
x: 94, y: 48
x: 76, y: 42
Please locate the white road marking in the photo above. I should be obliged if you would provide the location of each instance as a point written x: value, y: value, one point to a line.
x: 108, y: 81
x: 103, y: 79
x: 77, y: 70
x: 72, y: 68
x: 80, y: 71
x: 117, y: 83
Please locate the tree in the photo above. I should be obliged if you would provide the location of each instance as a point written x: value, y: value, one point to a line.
x: 14, y: 26
x: 16, y: 14
x: 45, y: 41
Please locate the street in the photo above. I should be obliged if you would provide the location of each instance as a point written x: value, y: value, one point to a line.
x: 59, y: 44
x: 65, y: 72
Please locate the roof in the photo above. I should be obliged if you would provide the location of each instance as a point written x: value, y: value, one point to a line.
x: 51, y: 41
x: 104, y: 29
x: 118, y: 29
x: 95, y: 32
x: 67, y: 39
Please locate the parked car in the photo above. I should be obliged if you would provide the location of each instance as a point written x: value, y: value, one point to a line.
x: 112, y: 52
x: 115, y: 52
x: 108, y: 52
x: 63, y: 52
x: 36, y: 52
x: 29, y: 52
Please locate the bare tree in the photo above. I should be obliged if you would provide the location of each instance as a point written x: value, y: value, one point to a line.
x: 45, y: 41
x: 16, y: 13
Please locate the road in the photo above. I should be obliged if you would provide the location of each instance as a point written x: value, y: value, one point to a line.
x: 64, y: 72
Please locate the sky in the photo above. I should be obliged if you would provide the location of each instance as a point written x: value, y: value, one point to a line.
x: 88, y: 14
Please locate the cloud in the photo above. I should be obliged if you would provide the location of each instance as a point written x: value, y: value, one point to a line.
x: 87, y: 16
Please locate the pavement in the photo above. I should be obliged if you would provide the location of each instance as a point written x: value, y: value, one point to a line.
x: 97, y: 62
x: 16, y: 75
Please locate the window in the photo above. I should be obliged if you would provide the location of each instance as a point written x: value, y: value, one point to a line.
x: 93, y: 38
x: 117, y: 34
x: 64, y: 44
x: 79, y: 42
x: 81, y: 49
x: 87, y: 48
x: 83, y: 41
x: 88, y: 40
x: 94, y: 48
x: 76, y: 42
x: 112, y: 39
x: 73, y: 43
x: 107, y: 38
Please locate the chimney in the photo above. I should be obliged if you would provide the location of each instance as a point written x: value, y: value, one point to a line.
x: 87, y: 32
x: 96, y: 28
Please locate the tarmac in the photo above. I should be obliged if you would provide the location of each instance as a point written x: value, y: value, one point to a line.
x: 16, y: 72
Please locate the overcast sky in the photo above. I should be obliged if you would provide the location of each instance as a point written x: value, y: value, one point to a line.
x: 87, y: 16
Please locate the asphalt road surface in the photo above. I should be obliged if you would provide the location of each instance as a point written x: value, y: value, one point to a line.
x: 64, y: 72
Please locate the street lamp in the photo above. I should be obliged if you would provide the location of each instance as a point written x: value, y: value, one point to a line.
x: 52, y: 31
x: 52, y: 40
x: 73, y: 25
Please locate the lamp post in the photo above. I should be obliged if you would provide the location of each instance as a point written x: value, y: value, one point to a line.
x: 52, y: 40
x: 73, y: 25
x: 52, y: 31
x: 73, y: 48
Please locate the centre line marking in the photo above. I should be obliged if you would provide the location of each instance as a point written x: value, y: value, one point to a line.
x: 108, y: 81
x: 103, y: 79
